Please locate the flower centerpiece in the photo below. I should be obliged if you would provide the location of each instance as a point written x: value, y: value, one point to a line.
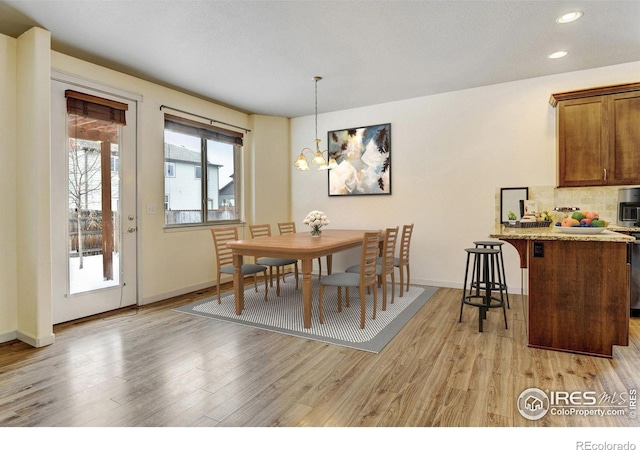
x: 316, y: 220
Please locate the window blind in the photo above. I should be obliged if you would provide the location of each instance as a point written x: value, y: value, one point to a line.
x: 96, y: 107
x: 201, y: 130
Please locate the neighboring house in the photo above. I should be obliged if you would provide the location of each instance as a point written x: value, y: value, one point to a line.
x: 182, y: 178
x: 227, y: 195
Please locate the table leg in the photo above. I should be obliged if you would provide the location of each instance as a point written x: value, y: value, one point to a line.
x: 329, y: 262
x: 238, y: 283
x: 307, y: 291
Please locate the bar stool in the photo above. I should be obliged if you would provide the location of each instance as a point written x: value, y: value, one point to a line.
x: 499, y: 267
x: 486, y: 258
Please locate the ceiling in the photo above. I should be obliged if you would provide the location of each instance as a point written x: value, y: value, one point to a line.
x: 261, y: 56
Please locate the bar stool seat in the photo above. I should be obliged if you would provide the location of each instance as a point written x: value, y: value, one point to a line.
x: 499, y: 267
x: 481, y: 293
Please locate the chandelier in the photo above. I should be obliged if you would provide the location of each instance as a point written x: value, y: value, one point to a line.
x: 318, y: 158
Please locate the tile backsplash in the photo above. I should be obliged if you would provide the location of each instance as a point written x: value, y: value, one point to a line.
x: 602, y: 199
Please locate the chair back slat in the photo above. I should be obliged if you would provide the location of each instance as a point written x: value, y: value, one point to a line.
x: 261, y: 230
x: 369, y: 258
x: 287, y: 227
x: 221, y: 236
x: 389, y: 250
x: 405, y: 244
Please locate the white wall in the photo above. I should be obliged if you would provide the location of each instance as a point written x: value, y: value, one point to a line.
x: 8, y: 262
x: 270, y: 144
x: 450, y: 152
x: 33, y: 213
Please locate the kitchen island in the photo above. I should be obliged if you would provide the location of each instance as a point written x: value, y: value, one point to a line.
x: 578, y: 288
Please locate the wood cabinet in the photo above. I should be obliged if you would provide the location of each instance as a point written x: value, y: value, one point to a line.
x: 598, y: 136
x: 578, y: 296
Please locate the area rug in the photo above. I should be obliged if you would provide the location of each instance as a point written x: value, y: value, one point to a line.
x: 283, y: 314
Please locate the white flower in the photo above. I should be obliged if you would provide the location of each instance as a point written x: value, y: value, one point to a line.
x: 316, y: 219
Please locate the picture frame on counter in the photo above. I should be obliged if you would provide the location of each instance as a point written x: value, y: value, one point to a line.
x: 512, y: 199
x: 363, y: 155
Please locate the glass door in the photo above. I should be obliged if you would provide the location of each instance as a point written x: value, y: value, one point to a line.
x: 93, y: 148
x: 93, y: 156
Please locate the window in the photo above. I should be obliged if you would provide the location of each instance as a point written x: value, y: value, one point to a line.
x: 194, y: 196
x: 169, y: 170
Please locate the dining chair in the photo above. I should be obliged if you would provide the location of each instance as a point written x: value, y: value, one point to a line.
x: 402, y: 261
x: 264, y: 230
x: 385, y: 264
x: 224, y: 258
x: 365, y: 278
x: 290, y: 227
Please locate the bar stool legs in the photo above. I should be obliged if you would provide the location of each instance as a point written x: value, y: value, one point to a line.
x: 482, y: 287
x: 498, y: 266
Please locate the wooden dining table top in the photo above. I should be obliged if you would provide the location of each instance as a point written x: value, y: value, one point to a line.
x: 300, y: 244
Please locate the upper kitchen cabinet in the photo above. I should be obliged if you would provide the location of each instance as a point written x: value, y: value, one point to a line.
x: 598, y: 136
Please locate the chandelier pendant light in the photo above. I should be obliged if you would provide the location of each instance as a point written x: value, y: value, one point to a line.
x: 318, y: 158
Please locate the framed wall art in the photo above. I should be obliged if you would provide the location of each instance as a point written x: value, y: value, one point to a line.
x: 364, y: 160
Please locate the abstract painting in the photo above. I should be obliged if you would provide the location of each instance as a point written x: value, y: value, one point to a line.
x: 364, y: 160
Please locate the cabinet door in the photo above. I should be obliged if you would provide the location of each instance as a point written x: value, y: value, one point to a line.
x: 579, y: 296
x: 624, y: 138
x: 582, y: 141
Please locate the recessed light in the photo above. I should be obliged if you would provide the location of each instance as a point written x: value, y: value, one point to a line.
x: 569, y: 17
x: 556, y: 55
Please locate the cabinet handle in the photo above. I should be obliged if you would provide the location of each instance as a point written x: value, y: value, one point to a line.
x: 605, y: 174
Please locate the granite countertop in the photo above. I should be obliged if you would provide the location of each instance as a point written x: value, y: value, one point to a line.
x: 627, y: 229
x: 552, y: 234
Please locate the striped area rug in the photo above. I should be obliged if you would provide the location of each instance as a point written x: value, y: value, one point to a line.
x: 283, y: 314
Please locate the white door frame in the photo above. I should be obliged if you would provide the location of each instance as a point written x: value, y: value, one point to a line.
x: 126, y: 293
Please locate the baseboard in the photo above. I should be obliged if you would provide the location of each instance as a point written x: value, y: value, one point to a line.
x: 190, y: 289
x: 194, y: 288
x: 6, y: 337
x: 447, y: 284
x: 36, y: 342
x: 435, y: 283
x: 176, y: 293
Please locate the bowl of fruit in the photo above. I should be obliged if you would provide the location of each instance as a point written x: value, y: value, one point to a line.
x: 582, y: 222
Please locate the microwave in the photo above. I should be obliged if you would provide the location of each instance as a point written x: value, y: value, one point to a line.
x: 629, y: 207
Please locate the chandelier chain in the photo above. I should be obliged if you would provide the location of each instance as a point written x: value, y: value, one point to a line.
x: 318, y: 158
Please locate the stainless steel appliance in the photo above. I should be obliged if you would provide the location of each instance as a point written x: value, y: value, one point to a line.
x: 635, y: 275
x: 629, y: 216
x: 629, y: 207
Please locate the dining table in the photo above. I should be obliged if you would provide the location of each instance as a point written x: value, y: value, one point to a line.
x: 301, y: 246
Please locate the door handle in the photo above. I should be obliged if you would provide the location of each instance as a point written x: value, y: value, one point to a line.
x: 131, y: 229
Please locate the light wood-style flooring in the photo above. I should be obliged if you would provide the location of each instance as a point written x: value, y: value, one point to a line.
x: 155, y: 367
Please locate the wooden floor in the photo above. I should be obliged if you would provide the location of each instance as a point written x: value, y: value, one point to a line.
x: 155, y: 367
